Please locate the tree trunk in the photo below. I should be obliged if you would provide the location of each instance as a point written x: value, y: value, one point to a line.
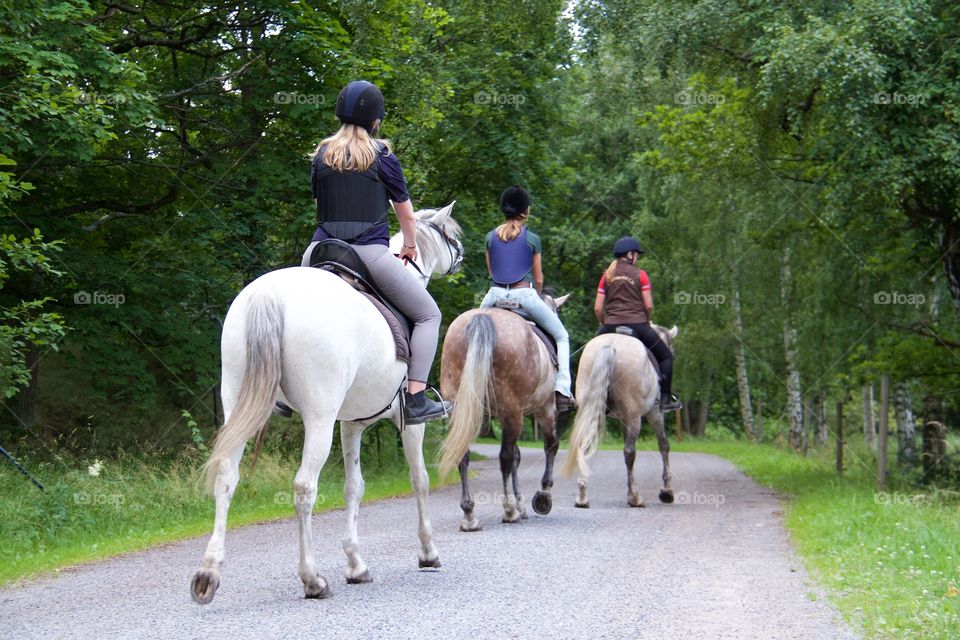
x: 906, y: 426
x: 24, y: 404
x: 743, y: 381
x: 820, y: 419
x: 934, y: 449
x: 703, y: 411
x: 868, y: 415
x: 794, y: 403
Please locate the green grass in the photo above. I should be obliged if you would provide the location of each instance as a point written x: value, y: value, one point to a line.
x: 132, y: 504
x: 890, y: 561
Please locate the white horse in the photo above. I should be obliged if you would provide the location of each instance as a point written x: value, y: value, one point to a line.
x: 616, y: 378
x: 306, y: 337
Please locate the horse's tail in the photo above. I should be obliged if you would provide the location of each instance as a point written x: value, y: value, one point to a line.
x: 472, y: 394
x: 591, y: 420
x: 260, y: 384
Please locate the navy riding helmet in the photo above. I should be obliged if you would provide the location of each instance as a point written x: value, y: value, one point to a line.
x: 360, y: 103
x: 625, y: 245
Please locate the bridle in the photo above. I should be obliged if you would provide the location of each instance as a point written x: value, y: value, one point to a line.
x: 454, y: 248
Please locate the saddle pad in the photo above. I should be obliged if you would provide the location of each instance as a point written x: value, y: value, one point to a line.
x: 627, y: 331
x: 547, y: 340
x: 400, y: 337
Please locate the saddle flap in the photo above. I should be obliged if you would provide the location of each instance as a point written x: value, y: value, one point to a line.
x: 340, y: 258
x: 547, y: 340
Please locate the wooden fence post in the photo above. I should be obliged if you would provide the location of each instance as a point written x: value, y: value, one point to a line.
x: 882, y: 439
x: 679, y: 426
x: 840, y: 438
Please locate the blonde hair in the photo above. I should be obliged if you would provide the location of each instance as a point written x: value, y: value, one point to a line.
x: 350, y: 149
x: 609, y: 273
x: 511, y: 228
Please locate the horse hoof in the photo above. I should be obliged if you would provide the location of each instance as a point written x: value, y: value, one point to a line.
x: 542, y: 502
x: 363, y: 578
x: 523, y: 515
x: 666, y: 496
x: 582, y: 505
x: 430, y: 564
x: 204, y: 585
x: 318, y: 591
x: 515, y: 520
x: 636, y: 503
x: 466, y: 528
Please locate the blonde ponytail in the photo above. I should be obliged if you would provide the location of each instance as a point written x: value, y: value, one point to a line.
x: 511, y: 228
x: 351, y: 148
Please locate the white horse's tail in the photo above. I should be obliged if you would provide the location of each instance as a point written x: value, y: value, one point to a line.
x: 472, y: 394
x: 261, y: 382
x: 590, y: 423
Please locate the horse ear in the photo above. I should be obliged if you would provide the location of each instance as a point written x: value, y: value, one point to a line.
x: 673, y: 332
x: 446, y: 211
x: 559, y: 301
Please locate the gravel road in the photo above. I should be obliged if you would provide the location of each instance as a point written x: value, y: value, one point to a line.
x: 717, y: 564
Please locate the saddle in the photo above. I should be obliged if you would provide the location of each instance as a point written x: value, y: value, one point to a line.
x: 338, y: 257
x: 627, y: 331
x: 538, y: 331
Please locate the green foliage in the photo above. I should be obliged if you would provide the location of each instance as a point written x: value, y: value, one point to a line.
x: 26, y: 326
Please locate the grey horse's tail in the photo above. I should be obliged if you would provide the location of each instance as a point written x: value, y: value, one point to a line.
x: 260, y: 385
x: 590, y: 423
x: 472, y: 394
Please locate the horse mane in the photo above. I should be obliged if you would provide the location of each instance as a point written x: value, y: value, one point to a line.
x: 430, y: 244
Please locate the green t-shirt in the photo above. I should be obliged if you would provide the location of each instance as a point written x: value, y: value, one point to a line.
x: 533, y: 241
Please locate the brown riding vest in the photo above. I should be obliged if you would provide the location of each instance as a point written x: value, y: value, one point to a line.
x: 623, y: 303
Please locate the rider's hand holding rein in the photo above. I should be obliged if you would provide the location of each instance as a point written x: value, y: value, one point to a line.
x: 408, y: 225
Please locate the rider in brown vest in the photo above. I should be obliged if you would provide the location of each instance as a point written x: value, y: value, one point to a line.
x: 624, y: 300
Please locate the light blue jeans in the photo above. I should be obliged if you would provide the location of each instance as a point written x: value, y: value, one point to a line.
x: 542, y: 314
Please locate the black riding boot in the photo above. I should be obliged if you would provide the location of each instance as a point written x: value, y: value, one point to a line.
x: 668, y: 401
x: 419, y: 408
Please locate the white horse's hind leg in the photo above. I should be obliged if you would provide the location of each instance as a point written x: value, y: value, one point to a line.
x: 656, y: 419
x: 632, y: 430
x: 353, y: 488
x: 207, y: 579
x: 412, y: 437
x: 318, y: 435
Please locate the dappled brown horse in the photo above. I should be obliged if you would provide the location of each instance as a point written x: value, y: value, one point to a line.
x: 493, y: 364
x: 616, y: 378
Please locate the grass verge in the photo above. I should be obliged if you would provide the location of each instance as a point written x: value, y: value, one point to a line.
x: 97, y: 509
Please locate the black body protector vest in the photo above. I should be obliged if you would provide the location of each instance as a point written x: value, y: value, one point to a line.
x: 350, y: 203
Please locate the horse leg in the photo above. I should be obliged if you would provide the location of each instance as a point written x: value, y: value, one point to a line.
x: 353, y: 488
x: 470, y: 521
x: 508, y: 464
x: 412, y: 437
x: 317, y: 438
x: 516, y: 484
x: 542, y: 500
x: 631, y: 432
x: 656, y: 419
x: 207, y: 579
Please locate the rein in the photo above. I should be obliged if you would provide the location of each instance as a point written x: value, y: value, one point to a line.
x: 454, y: 249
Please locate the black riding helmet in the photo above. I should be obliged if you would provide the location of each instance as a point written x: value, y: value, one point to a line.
x: 514, y: 201
x: 360, y: 103
x: 625, y: 245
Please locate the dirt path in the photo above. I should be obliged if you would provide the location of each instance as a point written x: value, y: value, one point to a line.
x: 715, y: 565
